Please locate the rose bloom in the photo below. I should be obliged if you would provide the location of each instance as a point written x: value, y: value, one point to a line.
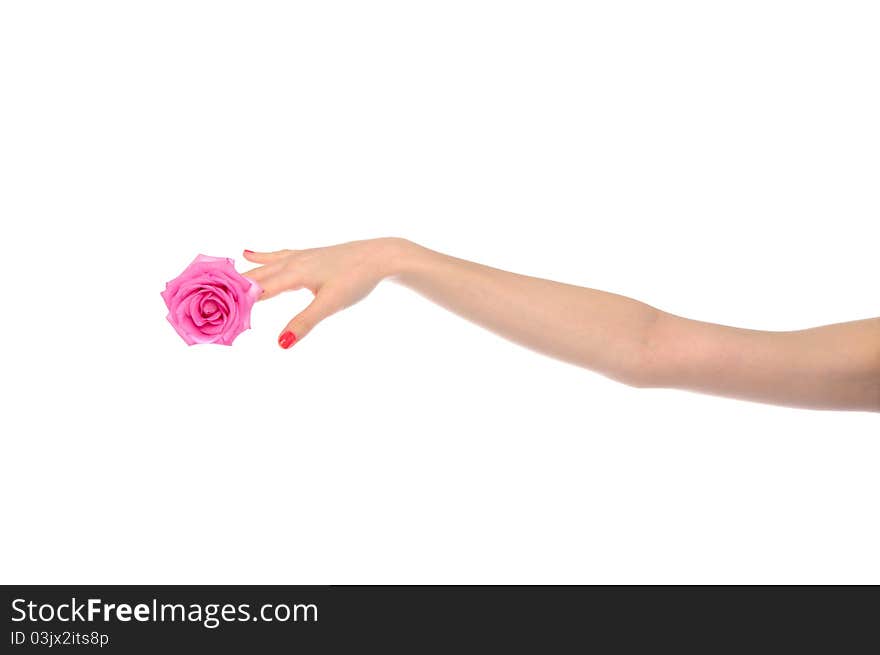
x: 210, y: 302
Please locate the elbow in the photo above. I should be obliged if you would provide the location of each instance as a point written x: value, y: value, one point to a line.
x: 644, y: 375
x: 639, y: 380
x: 646, y: 363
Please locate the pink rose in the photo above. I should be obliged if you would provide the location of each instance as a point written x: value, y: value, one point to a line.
x: 210, y: 302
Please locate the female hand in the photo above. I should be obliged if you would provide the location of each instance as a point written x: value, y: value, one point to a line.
x: 339, y: 276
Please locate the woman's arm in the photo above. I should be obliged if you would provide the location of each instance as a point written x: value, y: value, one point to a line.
x: 831, y: 367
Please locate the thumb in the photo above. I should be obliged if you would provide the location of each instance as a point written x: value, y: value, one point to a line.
x: 302, y: 323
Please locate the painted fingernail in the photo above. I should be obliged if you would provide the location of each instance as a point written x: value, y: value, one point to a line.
x: 287, y: 339
x: 248, y: 252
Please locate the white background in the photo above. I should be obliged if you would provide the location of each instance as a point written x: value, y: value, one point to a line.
x: 717, y: 160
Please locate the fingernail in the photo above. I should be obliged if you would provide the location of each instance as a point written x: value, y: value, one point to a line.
x: 248, y: 252
x: 287, y: 339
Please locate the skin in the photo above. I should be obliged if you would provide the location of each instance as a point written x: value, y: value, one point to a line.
x: 829, y: 367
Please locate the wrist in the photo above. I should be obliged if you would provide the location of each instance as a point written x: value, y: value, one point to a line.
x: 396, y: 256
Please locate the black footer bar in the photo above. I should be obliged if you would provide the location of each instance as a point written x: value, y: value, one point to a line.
x: 150, y: 619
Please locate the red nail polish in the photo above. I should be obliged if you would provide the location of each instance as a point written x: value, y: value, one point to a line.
x: 287, y: 339
x: 248, y: 252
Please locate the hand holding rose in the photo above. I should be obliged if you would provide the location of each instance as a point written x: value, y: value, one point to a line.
x: 829, y: 367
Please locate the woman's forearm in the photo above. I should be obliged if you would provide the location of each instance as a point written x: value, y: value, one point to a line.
x: 601, y: 331
x: 834, y: 367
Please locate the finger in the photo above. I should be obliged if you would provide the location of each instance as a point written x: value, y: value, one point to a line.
x: 276, y: 280
x: 303, y: 323
x: 261, y: 273
x: 264, y: 257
